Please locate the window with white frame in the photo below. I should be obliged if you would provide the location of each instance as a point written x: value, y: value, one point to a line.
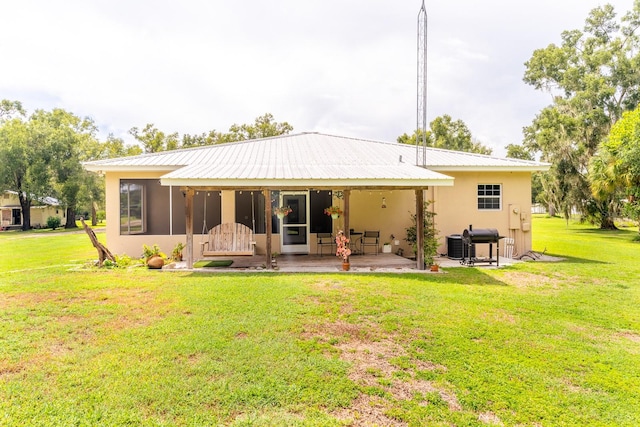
x: 489, y: 197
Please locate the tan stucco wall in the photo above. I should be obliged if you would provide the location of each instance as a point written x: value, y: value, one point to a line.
x: 456, y: 208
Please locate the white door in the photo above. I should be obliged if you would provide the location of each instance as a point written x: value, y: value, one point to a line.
x: 294, y: 228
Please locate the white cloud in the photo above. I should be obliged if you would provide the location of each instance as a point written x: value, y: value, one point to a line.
x: 341, y: 67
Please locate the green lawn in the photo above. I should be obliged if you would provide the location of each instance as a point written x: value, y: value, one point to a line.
x: 536, y: 344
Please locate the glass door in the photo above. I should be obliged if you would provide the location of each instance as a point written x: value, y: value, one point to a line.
x: 294, y: 230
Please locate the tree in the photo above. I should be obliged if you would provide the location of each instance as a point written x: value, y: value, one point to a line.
x: 65, y: 138
x: 24, y: 166
x: 154, y: 140
x: 448, y: 134
x: 263, y: 127
x: 10, y: 109
x: 616, y: 167
x: 593, y: 77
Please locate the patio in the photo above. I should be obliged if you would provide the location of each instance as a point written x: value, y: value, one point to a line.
x: 381, y: 263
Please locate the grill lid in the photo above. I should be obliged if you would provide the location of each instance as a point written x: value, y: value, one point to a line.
x: 481, y: 235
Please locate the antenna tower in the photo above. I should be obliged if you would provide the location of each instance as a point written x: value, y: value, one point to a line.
x: 421, y: 110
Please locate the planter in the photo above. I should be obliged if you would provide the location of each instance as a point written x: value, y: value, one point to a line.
x: 346, y: 266
x: 155, y: 262
x: 435, y: 268
x: 386, y: 249
x: 335, y: 216
x: 281, y: 216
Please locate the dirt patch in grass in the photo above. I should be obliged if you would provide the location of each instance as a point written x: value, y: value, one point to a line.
x: 523, y: 279
x: 371, y: 355
x: 490, y: 418
x: 631, y: 336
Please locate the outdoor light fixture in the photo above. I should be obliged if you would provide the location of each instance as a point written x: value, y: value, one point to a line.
x: 384, y: 202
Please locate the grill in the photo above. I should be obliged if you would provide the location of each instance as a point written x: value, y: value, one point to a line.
x: 471, y: 237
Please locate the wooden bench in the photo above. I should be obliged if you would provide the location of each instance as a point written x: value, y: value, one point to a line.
x: 229, y: 239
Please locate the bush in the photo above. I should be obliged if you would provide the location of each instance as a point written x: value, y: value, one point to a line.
x: 430, y: 236
x: 53, y: 222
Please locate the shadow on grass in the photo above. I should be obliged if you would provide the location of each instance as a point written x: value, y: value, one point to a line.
x: 455, y: 276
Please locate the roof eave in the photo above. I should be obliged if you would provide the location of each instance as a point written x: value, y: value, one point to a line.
x: 532, y: 168
x: 307, y: 183
x: 130, y: 168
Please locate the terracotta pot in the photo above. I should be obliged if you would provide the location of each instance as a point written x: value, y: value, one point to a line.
x: 434, y: 268
x: 155, y: 262
x: 346, y: 266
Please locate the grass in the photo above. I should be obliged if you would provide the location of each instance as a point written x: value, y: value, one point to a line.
x: 534, y: 344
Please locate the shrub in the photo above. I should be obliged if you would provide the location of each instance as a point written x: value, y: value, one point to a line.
x: 53, y: 222
x: 430, y: 235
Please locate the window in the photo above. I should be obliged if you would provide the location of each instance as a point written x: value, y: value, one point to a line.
x: 489, y: 196
x: 131, y: 208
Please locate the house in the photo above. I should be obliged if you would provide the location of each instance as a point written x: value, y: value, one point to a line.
x: 179, y: 195
x: 41, y: 209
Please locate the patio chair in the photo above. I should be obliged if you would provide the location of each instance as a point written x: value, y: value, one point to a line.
x: 325, y: 239
x: 370, y: 238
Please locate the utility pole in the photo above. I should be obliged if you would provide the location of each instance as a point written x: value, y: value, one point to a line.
x: 421, y: 110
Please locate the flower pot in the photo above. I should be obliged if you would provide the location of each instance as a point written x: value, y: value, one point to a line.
x: 155, y: 262
x: 435, y: 268
x: 281, y: 216
x: 346, y: 266
x: 386, y: 249
x: 335, y: 216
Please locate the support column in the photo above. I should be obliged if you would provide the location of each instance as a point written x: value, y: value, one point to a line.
x: 420, y: 229
x: 188, y: 213
x: 269, y: 225
x: 346, y: 194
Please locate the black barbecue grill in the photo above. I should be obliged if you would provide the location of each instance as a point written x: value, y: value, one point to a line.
x: 471, y: 237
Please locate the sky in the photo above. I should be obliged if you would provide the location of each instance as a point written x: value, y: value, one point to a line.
x: 346, y: 67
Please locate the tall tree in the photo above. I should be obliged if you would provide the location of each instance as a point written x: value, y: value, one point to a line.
x: 593, y: 76
x: 263, y: 127
x: 65, y: 137
x: 448, y: 134
x: 25, y: 165
x: 616, y: 167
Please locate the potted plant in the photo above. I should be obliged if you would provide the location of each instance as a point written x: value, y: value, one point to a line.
x: 154, y: 258
x: 386, y: 247
x: 176, y: 254
x: 333, y: 211
x: 342, y: 250
x: 282, y: 211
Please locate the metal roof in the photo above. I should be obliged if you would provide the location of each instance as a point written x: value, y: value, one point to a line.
x: 309, y: 157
